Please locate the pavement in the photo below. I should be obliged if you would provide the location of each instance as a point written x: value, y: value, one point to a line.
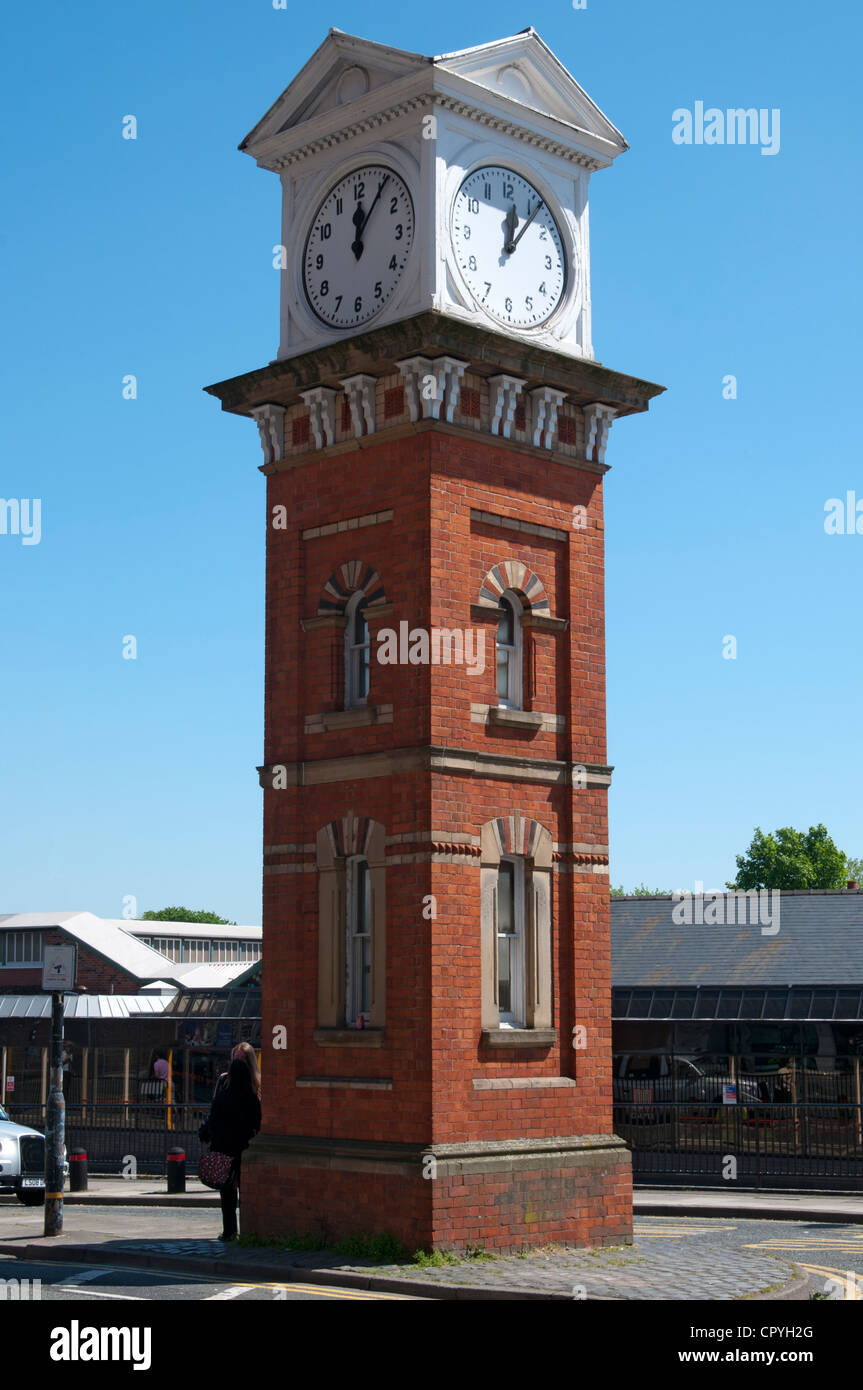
x: 691, y: 1250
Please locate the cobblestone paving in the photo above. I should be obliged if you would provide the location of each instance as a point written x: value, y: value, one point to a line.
x: 686, y: 1259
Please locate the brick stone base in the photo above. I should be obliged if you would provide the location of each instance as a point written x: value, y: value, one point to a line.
x: 502, y: 1195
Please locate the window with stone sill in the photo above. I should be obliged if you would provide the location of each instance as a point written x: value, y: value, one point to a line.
x: 357, y: 653
x: 509, y: 651
x: 351, y: 924
x: 515, y: 925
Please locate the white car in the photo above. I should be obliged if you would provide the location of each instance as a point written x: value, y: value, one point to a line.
x: 22, y: 1162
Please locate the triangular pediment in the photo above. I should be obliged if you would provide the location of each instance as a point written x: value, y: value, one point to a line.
x: 343, y: 72
x: 523, y: 69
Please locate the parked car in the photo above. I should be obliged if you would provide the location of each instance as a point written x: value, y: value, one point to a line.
x: 643, y: 1079
x: 22, y: 1162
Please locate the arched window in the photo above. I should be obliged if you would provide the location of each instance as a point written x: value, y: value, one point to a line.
x: 357, y: 652
x: 358, y: 952
x: 510, y: 942
x: 509, y: 659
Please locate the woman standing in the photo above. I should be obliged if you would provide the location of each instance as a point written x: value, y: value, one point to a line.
x: 235, y: 1116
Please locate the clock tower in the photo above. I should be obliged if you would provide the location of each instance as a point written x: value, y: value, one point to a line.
x: 436, y: 980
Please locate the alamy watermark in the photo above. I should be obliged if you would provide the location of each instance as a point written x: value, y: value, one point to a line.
x: 758, y: 906
x: 21, y: 517
x: 734, y: 126
x: 437, y: 646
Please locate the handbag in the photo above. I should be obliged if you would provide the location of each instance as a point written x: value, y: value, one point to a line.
x: 214, y: 1169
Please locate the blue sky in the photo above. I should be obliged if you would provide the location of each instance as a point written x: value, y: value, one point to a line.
x: 136, y: 778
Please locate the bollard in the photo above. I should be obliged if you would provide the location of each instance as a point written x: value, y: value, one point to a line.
x: 77, y: 1170
x: 176, y: 1170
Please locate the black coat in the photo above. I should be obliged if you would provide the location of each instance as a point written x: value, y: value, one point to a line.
x: 233, y: 1121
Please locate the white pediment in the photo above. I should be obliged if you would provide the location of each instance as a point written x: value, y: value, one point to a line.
x: 342, y: 73
x: 524, y: 70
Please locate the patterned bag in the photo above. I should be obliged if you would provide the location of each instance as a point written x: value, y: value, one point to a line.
x: 214, y: 1169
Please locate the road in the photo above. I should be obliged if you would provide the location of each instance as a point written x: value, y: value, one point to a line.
x: 81, y: 1283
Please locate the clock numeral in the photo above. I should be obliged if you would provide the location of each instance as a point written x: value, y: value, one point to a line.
x: 359, y: 191
x: 339, y: 206
x: 487, y: 284
x: 528, y: 302
x: 548, y: 262
x: 378, y: 290
x: 507, y: 190
x: 394, y: 202
x: 473, y: 205
x: 508, y: 305
x: 325, y: 287
x: 358, y: 304
x: 339, y: 299
x: 399, y: 231
x: 392, y: 264
x: 542, y: 288
x: 319, y: 261
x: 471, y: 260
x: 486, y: 191
x: 466, y: 232
x: 543, y: 235
x: 326, y: 231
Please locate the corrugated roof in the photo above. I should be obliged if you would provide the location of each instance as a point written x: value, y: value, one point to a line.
x: 819, y: 942
x: 37, y: 1006
x: 193, y: 930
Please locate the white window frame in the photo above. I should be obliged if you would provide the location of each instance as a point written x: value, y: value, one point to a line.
x: 357, y: 944
x: 34, y: 942
x: 514, y: 1017
x: 514, y: 693
x: 355, y: 662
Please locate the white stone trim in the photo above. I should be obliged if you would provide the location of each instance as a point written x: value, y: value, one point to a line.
x: 321, y: 402
x: 504, y: 392
x: 360, y: 391
x: 544, y: 405
x: 597, y: 423
x: 270, y: 420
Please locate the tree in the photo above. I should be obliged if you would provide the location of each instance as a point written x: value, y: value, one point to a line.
x: 854, y: 868
x: 185, y: 914
x: 642, y: 891
x: 791, y: 859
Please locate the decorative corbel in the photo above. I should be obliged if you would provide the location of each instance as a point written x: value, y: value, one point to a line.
x: 544, y: 405
x: 597, y: 423
x: 321, y: 401
x: 360, y: 391
x: 414, y: 370
x: 270, y: 420
x: 505, y: 391
x: 448, y: 372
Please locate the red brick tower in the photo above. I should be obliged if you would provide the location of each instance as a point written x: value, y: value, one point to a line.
x: 437, y: 993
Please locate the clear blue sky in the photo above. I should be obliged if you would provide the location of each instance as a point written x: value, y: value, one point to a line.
x: 153, y: 257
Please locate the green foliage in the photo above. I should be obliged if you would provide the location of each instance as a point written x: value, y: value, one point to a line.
x: 382, y: 1248
x: 435, y: 1259
x: 791, y: 859
x: 854, y: 869
x: 642, y: 891
x: 185, y: 914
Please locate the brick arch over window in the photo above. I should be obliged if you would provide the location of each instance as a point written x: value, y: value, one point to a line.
x: 519, y: 835
x: 512, y: 574
x: 344, y: 582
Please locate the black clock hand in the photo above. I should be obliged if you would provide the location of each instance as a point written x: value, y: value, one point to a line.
x: 363, y: 221
x: 511, y: 245
x: 511, y: 220
x: 358, y: 219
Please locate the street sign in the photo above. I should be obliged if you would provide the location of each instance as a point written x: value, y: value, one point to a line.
x: 10, y: 1083
x: 729, y: 1093
x: 58, y: 968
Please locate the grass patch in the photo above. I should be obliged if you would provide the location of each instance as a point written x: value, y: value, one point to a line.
x: 382, y: 1248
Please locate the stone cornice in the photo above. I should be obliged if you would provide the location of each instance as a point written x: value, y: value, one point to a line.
x: 447, y: 761
x: 377, y: 352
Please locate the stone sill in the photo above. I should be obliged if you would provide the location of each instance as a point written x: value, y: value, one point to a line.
x: 349, y: 1037
x: 518, y: 1037
x: 359, y: 718
x: 519, y: 718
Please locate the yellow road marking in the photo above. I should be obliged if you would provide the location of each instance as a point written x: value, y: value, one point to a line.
x: 326, y: 1290
x: 850, y: 1283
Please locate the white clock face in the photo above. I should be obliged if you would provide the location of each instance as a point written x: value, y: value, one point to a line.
x: 358, y: 246
x: 508, y: 247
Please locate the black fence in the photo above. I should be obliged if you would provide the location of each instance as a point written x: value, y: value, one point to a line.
x: 744, y: 1145
x: 115, y: 1134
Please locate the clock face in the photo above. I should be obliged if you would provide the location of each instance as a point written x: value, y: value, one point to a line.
x: 508, y: 247
x: 358, y: 246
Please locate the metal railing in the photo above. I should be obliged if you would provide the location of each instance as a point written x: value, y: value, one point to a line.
x: 816, y: 1144
x: 114, y: 1133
